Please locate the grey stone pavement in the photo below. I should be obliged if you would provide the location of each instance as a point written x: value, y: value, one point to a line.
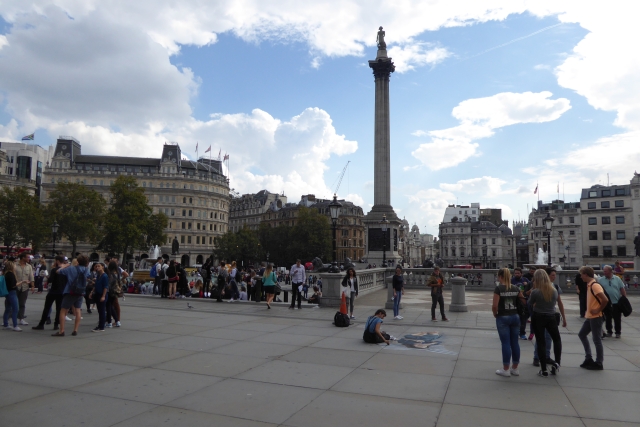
x: 238, y: 364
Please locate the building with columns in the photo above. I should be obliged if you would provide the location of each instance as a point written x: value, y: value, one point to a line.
x: 193, y: 195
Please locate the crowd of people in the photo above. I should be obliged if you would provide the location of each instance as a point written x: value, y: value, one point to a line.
x: 69, y: 283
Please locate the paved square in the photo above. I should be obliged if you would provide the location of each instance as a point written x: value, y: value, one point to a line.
x: 242, y: 365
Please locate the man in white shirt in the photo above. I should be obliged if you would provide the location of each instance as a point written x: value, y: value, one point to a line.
x: 298, y: 278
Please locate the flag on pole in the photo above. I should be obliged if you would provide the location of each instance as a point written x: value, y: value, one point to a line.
x: 29, y: 137
x: 219, y: 153
x: 208, y: 150
x: 196, y: 147
x: 536, y: 190
x: 226, y: 157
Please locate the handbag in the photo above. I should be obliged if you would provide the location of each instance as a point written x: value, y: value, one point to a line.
x: 624, y: 306
x: 3, y: 287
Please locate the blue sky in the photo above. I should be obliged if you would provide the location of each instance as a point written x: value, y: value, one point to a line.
x: 484, y: 105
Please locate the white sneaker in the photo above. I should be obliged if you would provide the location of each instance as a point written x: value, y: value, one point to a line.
x: 17, y: 329
x: 67, y: 318
x: 395, y: 317
x: 118, y: 324
x: 23, y: 322
x: 9, y: 328
x: 400, y: 317
x: 109, y: 325
x: 514, y: 372
x: 503, y: 373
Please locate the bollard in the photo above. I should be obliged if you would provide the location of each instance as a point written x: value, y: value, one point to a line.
x: 458, y: 303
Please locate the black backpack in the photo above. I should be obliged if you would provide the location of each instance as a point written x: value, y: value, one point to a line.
x: 161, y: 274
x: 608, y: 310
x: 341, y: 320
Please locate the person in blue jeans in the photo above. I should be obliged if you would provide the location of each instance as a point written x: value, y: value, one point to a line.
x: 508, y: 322
x: 398, y: 291
x: 11, y: 300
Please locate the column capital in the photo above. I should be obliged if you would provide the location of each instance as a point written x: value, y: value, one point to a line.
x: 382, y: 68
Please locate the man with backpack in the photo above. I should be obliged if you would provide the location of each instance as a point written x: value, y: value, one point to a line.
x: 73, y: 293
x: 614, y: 287
x: 153, y: 272
x: 596, y: 303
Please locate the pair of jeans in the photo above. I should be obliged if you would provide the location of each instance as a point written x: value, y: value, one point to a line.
x: 583, y: 302
x: 548, y: 323
x: 593, y: 326
x: 111, y: 311
x: 548, y: 341
x: 48, y: 303
x: 22, y: 302
x: 435, y: 300
x: 508, y: 328
x: 10, y: 306
x: 396, y: 303
x: 616, y: 316
x: 157, y: 285
x: 295, y: 293
x: 102, y: 309
x: 39, y: 283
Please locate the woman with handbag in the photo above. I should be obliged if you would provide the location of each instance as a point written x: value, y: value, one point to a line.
x: 11, y: 299
x: 544, y: 299
x: 172, y: 274
x: 115, y: 288
x: 505, y: 310
x: 269, y: 280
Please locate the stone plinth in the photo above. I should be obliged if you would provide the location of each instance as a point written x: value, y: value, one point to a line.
x: 331, y: 292
x: 458, y: 303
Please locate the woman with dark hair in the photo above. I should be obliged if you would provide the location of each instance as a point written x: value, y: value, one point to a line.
x: 350, y: 288
x: 172, y: 274
x: 99, y: 294
x: 11, y: 300
x: 398, y: 290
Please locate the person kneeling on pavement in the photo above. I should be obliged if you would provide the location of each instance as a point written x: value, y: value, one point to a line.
x: 372, y: 333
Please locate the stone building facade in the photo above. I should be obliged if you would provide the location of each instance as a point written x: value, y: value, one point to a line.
x: 609, y: 223
x: 247, y: 210
x: 480, y: 244
x: 24, y: 165
x: 193, y: 195
x: 566, y: 234
x: 350, y: 231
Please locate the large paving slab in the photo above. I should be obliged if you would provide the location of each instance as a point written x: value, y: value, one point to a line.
x: 242, y: 365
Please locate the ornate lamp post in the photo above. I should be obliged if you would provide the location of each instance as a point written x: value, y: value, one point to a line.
x: 334, y: 210
x: 548, y: 224
x: 54, y: 230
x: 384, y: 225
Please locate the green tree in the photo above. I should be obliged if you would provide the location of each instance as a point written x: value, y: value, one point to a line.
x: 22, y: 221
x: 79, y: 212
x: 311, y: 236
x: 242, y: 246
x: 129, y: 219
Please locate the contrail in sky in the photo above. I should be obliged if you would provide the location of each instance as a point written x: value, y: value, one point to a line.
x: 515, y: 40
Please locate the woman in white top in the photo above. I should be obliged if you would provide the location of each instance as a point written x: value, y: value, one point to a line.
x: 350, y: 289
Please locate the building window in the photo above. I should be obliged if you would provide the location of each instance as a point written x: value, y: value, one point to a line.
x: 593, y: 221
x: 184, y: 200
x: 593, y: 235
x: 619, y: 219
x: 484, y: 241
x: 493, y: 252
x: 571, y: 220
x: 184, y: 212
x: 189, y: 225
x: 606, y: 235
x: 605, y: 205
x: 144, y: 184
x: 189, y: 239
x: 593, y: 194
x: 620, y: 235
x: 619, y: 203
x: 606, y: 220
x: 572, y: 233
x: 607, y: 252
x: 619, y: 191
x: 606, y: 193
x: 593, y: 251
x: 493, y: 241
x: 622, y: 251
x: 560, y: 220
x: 184, y: 225
x: 190, y: 212
x: 181, y: 239
x: 197, y: 240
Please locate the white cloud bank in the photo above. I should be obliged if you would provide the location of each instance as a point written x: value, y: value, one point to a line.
x: 479, y: 118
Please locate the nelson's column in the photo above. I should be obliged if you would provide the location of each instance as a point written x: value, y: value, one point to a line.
x: 379, y: 242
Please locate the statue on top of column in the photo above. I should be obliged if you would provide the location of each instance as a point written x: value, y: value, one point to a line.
x: 380, y: 39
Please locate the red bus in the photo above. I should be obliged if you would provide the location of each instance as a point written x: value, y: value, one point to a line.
x: 464, y: 266
x: 15, y: 251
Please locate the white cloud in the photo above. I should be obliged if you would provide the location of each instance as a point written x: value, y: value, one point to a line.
x: 479, y: 118
x: 356, y: 199
x: 486, y: 185
x: 429, y: 205
x: 419, y: 133
x: 417, y: 54
x: 3, y: 41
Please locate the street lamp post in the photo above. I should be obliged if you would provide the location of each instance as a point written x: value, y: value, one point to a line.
x: 334, y: 210
x: 384, y: 225
x: 548, y: 224
x: 54, y: 230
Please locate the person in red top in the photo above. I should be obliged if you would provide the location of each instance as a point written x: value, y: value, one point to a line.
x: 596, y: 303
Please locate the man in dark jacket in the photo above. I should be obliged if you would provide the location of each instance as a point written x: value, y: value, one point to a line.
x: 436, y: 283
x: 57, y: 282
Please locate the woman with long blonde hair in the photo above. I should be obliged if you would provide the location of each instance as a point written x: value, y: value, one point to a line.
x: 505, y: 310
x: 544, y: 298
